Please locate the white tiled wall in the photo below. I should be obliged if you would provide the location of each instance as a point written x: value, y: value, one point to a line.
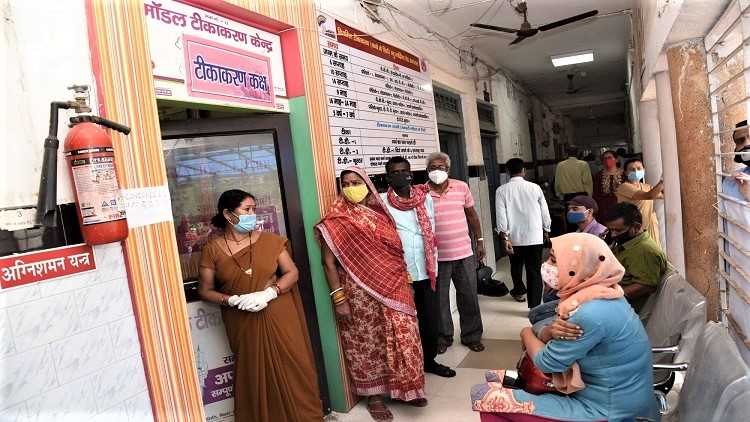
x: 69, y: 349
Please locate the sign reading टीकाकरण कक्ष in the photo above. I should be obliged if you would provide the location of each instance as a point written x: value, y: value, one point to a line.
x: 202, y: 57
x: 380, y: 100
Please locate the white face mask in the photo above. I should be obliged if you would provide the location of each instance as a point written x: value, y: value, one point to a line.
x: 549, y: 275
x: 438, y: 176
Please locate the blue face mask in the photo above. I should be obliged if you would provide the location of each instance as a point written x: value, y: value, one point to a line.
x: 637, y: 175
x: 575, y: 217
x: 246, y: 224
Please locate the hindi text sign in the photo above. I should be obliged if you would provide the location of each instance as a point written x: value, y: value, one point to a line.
x: 380, y: 100
x: 170, y: 21
x: 221, y: 72
x: 17, y: 270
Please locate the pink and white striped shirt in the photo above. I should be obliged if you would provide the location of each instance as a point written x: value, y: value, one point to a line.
x: 451, y: 228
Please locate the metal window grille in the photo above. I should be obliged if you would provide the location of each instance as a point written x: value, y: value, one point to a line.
x: 486, y: 113
x: 728, y: 47
x: 446, y: 102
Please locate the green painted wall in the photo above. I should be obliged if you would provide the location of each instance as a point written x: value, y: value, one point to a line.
x: 300, y: 125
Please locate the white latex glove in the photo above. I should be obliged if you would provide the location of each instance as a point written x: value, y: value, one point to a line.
x: 257, y: 301
x: 233, y: 300
x: 247, y: 301
x: 268, y: 294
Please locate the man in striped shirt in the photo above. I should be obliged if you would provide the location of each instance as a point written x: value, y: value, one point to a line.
x: 454, y: 216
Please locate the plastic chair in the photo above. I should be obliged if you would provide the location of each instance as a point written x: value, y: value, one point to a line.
x: 717, y: 385
x: 676, y: 319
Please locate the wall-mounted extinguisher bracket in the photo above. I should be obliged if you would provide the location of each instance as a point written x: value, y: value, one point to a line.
x: 90, y: 156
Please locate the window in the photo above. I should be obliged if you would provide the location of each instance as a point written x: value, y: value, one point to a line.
x: 728, y: 59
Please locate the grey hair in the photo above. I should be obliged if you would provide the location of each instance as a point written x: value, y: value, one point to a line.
x: 438, y: 156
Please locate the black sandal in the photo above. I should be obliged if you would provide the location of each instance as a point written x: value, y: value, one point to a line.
x: 475, y: 347
x: 417, y: 402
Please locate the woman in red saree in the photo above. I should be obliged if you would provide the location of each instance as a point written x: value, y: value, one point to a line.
x: 373, y: 300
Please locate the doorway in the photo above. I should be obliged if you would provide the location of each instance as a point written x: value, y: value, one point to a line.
x: 492, y: 170
x: 206, y: 156
x: 451, y: 143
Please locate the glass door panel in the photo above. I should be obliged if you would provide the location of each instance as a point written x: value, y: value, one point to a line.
x: 200, y: 168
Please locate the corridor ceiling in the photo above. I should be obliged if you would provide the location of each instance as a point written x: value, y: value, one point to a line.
x: 602, y: 81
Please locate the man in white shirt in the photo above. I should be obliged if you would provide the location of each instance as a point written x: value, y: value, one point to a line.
x: 523, y: 222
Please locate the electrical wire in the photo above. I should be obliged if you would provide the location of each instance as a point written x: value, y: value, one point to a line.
x: 450, y: 47
x: 479, y: 19
x: 451, y: 9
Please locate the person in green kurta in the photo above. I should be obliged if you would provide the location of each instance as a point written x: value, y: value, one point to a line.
x: 644, y: 261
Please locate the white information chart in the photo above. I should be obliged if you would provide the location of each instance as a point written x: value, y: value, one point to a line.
x: 380, y: 101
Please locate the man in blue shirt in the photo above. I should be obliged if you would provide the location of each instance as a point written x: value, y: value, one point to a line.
x: 734, y: 205
x: 738, y: 186
x: 412, y: 210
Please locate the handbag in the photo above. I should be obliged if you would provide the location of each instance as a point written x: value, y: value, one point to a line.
x: 486, y: 285
x: 529, y: 378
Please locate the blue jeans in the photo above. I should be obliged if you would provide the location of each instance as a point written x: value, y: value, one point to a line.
x: 542, y: 315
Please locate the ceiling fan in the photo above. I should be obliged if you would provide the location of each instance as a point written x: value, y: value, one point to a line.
x: 571, y: 86
x: 526, y: 30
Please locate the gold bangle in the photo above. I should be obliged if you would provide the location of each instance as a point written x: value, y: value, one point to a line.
x: 339, y: 300
x: 335, y: 291
x: 338, y: 294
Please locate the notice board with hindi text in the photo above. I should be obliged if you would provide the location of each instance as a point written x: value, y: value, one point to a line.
x: 380, y: 100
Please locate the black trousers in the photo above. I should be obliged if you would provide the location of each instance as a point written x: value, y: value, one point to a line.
x: 427, y: 302
x: 529, y: 257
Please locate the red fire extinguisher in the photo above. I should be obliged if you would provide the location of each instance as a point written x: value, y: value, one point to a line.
x: 90, y: 155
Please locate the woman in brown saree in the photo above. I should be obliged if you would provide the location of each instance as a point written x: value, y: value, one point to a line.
x: 274, y: 374
x: 373, y: 300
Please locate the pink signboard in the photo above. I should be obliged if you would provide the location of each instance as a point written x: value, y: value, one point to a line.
x: 221, y: 72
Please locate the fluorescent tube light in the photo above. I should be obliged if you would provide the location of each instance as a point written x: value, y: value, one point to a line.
x: 573, y: 58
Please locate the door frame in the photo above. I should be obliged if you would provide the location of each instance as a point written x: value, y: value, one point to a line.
x: 278, y: 125
x: 459, y: 163
x: 492, y: 172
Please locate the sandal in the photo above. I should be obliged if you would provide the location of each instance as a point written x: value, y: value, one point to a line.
x: 417, y: 402
x: 475, y: 347
x: 378, y: 410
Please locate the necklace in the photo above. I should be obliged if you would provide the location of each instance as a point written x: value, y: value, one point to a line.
x: 249, y: 270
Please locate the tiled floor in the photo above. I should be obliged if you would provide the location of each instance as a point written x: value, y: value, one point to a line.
x: 449, y: 397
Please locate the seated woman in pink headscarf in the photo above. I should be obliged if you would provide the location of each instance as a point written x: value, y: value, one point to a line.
x: 603, y: 365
